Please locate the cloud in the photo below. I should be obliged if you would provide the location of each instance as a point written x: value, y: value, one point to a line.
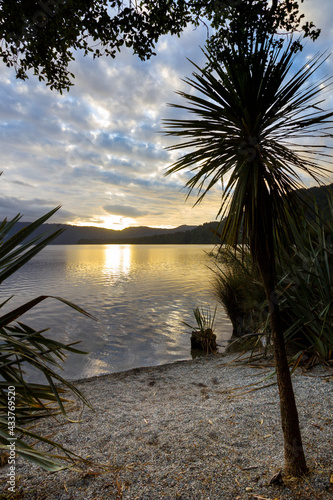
x: 124, y: 211
x: 100, y: 144
x: 30, y: 210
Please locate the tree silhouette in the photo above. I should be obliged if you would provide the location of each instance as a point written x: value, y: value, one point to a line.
x: 249, y: 116
x: 43, y: 35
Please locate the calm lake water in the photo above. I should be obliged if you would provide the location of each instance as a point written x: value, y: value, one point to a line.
x: 140, y: 295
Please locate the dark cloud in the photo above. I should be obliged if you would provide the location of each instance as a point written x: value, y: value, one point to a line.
x: 30, y: 210
x: 124, y: 211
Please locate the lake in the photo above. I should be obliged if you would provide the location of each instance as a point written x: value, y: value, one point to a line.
x: 140, y: 295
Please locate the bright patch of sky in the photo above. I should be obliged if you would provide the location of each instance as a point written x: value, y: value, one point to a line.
x: 98, y: 150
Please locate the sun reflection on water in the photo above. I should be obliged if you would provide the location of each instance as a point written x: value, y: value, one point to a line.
x: 117, y: 259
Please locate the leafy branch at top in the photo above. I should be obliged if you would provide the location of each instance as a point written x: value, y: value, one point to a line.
x: 42, y: 35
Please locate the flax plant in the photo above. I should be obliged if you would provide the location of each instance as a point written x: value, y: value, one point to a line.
x: 22, y: 346
x: 254, y: 130
x: 306, y: 288
x: 237, y: 287
x: 203, y: 336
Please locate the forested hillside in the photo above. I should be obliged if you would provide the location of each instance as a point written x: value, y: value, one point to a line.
x: 203, y: 234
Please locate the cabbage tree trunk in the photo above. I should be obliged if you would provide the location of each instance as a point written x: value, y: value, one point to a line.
x: 295, y: 464
x: 262, y: 247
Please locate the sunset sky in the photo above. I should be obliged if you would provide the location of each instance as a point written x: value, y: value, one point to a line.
x: 98, y: 150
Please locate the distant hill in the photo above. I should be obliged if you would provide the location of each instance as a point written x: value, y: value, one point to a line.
x: 321, y: 195
x: 202, y: 234
x: 73, y: 234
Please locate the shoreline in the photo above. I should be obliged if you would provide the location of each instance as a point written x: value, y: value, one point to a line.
x: 143, y: 369
x: 190, y: 429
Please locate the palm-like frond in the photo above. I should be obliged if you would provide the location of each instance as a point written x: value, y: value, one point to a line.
x: 21, y: 346
x: 249, y: 119
x: 15, y: 251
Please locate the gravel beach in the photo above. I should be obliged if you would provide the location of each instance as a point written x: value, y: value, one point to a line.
x: 194, y: 429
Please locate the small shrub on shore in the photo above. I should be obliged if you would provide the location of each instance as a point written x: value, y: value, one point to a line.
x: 202, y: 336
x: 238, y: 288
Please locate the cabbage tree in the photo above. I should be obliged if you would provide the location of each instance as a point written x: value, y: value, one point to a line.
x: 253, y: 127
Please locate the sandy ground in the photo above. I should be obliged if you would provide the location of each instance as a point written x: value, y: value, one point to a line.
x: 202, y: 429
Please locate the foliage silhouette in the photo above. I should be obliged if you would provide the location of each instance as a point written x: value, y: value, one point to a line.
x: 254, y: 131
x: 43, y: 35
x: 22, y: 346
